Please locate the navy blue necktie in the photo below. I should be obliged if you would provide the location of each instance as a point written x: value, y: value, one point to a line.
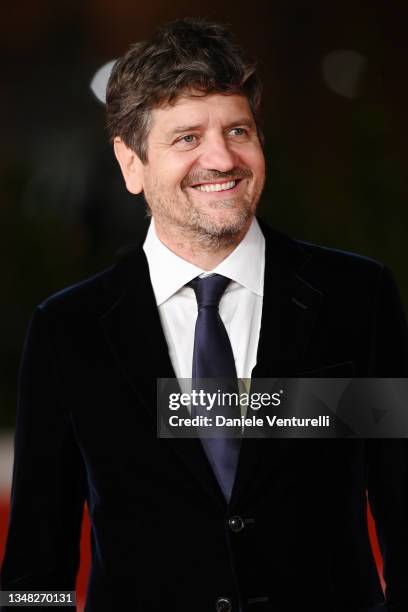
x: 213, y: 358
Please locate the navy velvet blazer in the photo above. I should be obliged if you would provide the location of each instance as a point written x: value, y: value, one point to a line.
x: 161, y: 535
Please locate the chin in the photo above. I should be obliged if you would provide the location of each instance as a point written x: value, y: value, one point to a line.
x: 224, y: 223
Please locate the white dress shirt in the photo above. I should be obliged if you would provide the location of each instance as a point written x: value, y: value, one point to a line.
x: 240, y: 306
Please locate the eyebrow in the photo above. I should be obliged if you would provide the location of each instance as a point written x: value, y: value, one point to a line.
x: 245, y: 121
x: 183, y: 128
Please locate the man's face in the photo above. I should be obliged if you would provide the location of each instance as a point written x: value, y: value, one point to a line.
x: 205, y: 170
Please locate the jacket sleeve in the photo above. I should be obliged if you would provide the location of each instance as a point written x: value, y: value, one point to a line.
x: 387, y: 459
x: 48, y: 485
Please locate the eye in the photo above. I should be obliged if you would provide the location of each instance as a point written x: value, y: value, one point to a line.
x: 188, y: 139
x: 239, y: 131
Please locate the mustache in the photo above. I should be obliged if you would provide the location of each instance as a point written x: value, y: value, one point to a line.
x: 209, y: 176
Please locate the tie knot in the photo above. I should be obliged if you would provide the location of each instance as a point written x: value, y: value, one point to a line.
x: 208, y: 290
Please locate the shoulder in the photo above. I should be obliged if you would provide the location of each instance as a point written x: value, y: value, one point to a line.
x: 94, y: 295
x: 346, y: 278
x: 342, y: 266
x: 321, y: 265
x: 90, y: 293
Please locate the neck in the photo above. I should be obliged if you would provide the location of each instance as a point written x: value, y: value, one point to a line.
x: 205, y: 252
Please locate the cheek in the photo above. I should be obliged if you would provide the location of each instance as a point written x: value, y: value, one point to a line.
x: 259, y: 166
x: 253, y: 159
x: 174, y: 170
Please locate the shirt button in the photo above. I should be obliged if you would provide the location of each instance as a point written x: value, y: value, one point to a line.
x: 223, y: 604
x: 236, y: 524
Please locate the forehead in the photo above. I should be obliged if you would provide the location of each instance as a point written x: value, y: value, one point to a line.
x: 192, y: 109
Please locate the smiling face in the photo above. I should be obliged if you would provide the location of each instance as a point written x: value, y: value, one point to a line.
x: 205, y: 170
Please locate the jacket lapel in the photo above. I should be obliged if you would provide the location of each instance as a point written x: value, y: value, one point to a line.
x: 290, y: 307
x: 289, y: 311
x: 134, y: 333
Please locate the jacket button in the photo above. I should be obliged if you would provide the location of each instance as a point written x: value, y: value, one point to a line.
x: 223, y: 604
x: 236, y: 524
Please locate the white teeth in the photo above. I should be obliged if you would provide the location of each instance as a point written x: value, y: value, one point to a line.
x: 216, y: 186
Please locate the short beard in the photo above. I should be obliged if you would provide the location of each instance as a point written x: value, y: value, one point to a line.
x: 199, y: 228
x: 208, y: 236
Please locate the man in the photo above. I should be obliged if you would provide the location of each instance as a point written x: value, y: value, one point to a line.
x: 267, y: 525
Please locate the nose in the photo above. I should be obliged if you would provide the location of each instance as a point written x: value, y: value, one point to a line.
x: 217, y: 154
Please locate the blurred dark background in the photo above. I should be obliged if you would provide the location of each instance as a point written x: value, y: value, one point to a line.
x: 334, y: 106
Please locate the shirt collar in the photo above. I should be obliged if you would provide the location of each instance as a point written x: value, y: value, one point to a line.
x: 169, y: 272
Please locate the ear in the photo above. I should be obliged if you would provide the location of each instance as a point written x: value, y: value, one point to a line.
x: 130, y: 164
